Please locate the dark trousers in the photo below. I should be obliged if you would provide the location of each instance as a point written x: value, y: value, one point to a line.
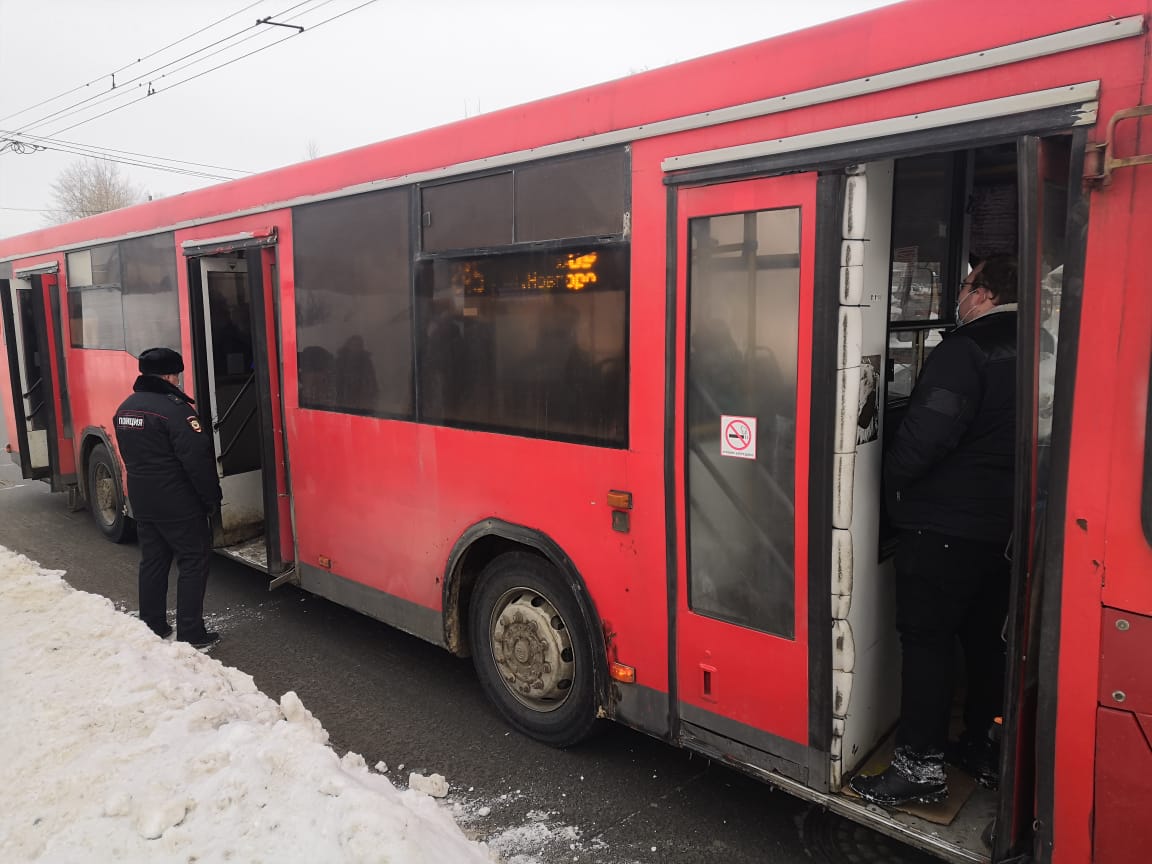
x: 949, y: 588
x: 189, y: 541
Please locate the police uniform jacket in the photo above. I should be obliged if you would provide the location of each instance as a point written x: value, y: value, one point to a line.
x: 168, y: 456
x: 950, y: 467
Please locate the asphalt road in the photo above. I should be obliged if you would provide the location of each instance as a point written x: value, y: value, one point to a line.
x: 622, y: 797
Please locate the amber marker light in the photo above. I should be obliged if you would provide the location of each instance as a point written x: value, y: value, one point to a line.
x: 620, y: 500
x: 622, y: 673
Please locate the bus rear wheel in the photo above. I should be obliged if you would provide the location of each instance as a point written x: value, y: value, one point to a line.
x: 532, y: 650
x: 106, y: 499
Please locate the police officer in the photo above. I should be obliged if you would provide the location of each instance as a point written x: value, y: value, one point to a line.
x: 173, y: 487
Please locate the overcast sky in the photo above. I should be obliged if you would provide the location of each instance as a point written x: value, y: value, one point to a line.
x: 378, y: 71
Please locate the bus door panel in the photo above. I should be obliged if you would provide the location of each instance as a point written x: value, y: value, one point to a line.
x: 744, y: 284
x: 264, y: 270
x: 1047, y: 177
x: 237, y: 385
x: 231, y: 396
x: 29, y: 360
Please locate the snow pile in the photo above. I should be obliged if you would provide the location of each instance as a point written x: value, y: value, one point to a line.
x: 118, y: 746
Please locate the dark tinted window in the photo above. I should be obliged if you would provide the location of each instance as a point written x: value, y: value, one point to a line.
x: 353, y: 304
x: 151, y: 306
x: 581, y: 197
x: 531, y: 342
x: 921, y: 237
x: 95, y: 305
x: 468, y: 214
x: 560, y: 199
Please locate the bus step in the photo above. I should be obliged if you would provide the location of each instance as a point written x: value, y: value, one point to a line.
x: 253, y: 553
x: 285, y: 578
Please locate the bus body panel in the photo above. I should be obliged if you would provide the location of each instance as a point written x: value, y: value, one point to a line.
x: 382, y: 502
x: 1102, y: 523
x: 1127, y: 585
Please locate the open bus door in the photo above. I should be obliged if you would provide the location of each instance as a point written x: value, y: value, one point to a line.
x: 237, y: 390
x: 32, y: 343
x: 744, y: 328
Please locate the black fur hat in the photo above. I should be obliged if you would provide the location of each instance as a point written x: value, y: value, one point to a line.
x: 161, y: 361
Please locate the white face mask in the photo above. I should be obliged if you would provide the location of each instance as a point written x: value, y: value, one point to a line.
x: 966, y: 291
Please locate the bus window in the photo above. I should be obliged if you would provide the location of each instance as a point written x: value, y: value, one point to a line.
x: 948, y: 210
x: 923, y: 263
x: 151, y: 306
x: 95, y: 299
x: 744, y: 317
x: 353, y: 302
x: 530, y: 342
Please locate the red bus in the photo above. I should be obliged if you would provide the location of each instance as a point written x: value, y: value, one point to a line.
x: 595, y: 391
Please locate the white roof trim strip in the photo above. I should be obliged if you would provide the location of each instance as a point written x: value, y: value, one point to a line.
x: 46, y: 267
x: 1016, y: 52
x: 1082, y: 94
x: 216, y: 241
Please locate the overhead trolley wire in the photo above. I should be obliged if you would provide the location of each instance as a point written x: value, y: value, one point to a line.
x: 152, y: 162
x: 100, y: 152
x: 140, y: 163
x: 127, y: 65
x: 117, y: 90
x: 222, y: 65
x: 22, y: 146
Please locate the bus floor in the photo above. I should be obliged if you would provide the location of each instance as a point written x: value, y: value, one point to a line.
x: 962, y: 819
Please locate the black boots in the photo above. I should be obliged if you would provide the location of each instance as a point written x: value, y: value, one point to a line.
x: 977, y: 755
x: 911, y: 778
x: 203, y: 643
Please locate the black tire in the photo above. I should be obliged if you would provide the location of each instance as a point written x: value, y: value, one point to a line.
x: 523, y: 614
x: 106, y: 498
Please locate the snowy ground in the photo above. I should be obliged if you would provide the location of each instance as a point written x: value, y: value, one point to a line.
x: 121, y: 747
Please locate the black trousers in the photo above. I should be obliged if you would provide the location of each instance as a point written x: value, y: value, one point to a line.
x: 189, y: 542
x: 949, y: 588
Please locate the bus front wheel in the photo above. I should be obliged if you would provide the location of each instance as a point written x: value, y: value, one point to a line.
x: 106, y: 499
x: 532, y: 650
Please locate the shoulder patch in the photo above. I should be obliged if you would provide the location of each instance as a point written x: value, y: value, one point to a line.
x: 194, y: 422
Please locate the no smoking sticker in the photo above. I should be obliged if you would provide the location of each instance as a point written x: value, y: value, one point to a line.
x: 738, y: 437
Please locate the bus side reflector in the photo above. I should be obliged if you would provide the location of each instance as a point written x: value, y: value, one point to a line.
x: 325, y: 562
x: 622, y: 673
x: 620, y: 500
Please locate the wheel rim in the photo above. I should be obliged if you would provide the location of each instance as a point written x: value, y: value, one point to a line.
x: 104, y: 489
x: 532, y: 649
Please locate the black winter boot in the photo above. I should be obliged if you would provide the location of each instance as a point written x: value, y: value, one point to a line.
x: 912, y: 777
x: 979, y: 756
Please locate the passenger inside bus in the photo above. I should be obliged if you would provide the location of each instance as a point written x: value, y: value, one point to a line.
x: 954, y: 239
x: 949, y: 477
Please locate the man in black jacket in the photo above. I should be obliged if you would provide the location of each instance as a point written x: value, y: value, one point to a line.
x: 948, y: 478
x: 173, y: 487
